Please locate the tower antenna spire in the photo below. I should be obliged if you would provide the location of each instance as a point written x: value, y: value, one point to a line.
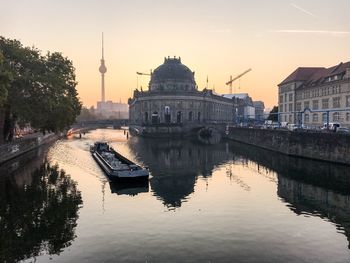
x: 102, y: 47
x: 103, y: 70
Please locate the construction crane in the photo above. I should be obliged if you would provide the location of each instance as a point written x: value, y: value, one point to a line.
x: 141, y: 74
x: 235, y: 78
x: 147, y: 74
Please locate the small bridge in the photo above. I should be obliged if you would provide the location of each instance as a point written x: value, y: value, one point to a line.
x: 83, y: 126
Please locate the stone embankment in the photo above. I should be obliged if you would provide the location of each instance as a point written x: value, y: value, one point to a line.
x: 331, y: 147
x: 20, y: 146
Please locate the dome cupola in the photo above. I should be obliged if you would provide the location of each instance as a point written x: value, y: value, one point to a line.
x: 172, y: 75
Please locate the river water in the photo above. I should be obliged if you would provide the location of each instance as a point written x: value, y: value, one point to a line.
x: 226, y: 202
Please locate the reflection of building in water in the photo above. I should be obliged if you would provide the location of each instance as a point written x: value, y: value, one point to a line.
x: 314, y: 200
x: 176, y: 164
x: 318, y: 188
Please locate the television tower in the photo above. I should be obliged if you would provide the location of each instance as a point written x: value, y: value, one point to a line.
x: 102, y: 70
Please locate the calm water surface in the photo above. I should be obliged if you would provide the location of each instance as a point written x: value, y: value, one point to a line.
x: 226, y: 202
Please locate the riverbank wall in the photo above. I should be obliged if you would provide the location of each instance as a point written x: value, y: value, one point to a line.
x: 331, y: 147
x: 18, y: 147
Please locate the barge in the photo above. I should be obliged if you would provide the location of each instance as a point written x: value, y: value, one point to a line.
x: 116, y: 166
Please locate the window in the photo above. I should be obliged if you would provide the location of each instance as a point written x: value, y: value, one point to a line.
x: 306, y: 118
x: 281, y: 108
x: 307, y: 94
x: 325, y: 103
x: 290, y: 107
x: 336, y: 116
x: 315, y: 104
x: 290, y: 118
x: 347, y: 101
x: 306, y: 104
x: 179, y: 117
x: 298, y: 106
x: 324, y: 117
x: 336, y: 102
x: 281, y: 98
x: 290, y: 96
x: 190, y: 116
x: 315, y: 117
x: 347, y: 116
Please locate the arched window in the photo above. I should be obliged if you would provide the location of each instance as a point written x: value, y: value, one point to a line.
x: 179, y: 117
x: 336, y: 116
x: 155, y: 118
x: 306, y: 118
x: 146, y: 117
x: 167, y: 115
x: 190, y: 117
x: 315, y: 117
x: 324, y: 117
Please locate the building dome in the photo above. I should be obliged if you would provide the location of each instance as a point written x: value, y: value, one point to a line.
x: 172, y: 75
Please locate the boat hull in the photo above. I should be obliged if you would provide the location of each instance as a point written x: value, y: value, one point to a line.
x: 120, y: 175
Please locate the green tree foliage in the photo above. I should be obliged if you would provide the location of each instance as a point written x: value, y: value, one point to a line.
x: 86, y: 115
x: 5, y: 80
x: 273, y: 114
x: 42, y: 90
x: 38, y: 217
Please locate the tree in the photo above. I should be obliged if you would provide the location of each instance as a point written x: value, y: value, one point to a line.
x: 5, y: 80
x: 42, y: 89
x: 273, y: 114
x: 86, y: 115
x: 40, y: 217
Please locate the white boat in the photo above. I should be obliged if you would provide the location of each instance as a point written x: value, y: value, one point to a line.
x: 116, y: 166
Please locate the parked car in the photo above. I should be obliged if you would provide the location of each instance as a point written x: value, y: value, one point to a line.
x: 343, y: 130
x: 333, y: 126
x: 294, y: 127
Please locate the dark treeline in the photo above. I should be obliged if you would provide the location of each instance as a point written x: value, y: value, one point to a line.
x: 35, y: 88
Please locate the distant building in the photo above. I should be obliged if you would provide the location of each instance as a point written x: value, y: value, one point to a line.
x: 246, y: 108
x: 111, y: 109
x: 173, y: 98
x: 311, y: 95
x: 259, y: 110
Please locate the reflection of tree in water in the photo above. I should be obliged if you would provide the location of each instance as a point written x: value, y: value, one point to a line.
x: 38, y: 217
x: 175, y: 165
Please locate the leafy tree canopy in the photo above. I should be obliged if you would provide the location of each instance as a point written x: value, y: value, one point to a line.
x: 273, y: 114
x: 41, y: 89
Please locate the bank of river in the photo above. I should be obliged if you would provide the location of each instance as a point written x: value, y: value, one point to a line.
x: 227, y: 202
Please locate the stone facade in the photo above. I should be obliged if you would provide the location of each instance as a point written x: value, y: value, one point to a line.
x: 325, y: 146
x: 309, y: 94
x: 173, y: 99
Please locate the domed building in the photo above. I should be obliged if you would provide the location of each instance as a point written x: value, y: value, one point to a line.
x: 173, y: 100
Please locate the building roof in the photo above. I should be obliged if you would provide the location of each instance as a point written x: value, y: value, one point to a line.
x: 315, y: 75
x: 236, y: 95
x: 301, y: 74
x: 172, y: 70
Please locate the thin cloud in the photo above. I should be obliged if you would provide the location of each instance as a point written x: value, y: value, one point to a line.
x: 303, y: 10
x: 317, y: 32
x: 220, y: 30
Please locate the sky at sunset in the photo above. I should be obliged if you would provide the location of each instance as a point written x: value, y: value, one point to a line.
x: 215, y: 38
